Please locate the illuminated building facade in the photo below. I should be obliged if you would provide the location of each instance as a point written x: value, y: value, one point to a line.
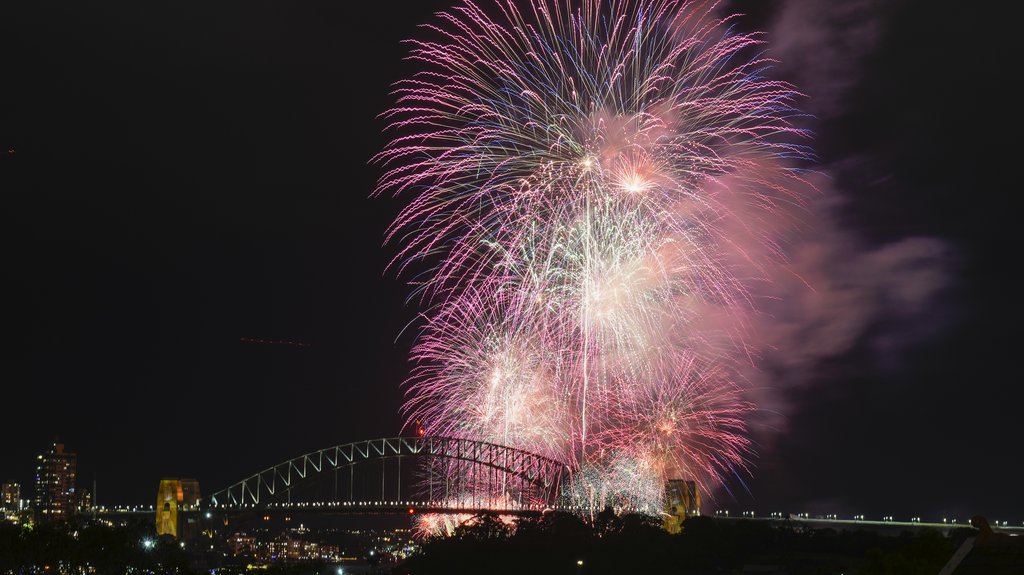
x: 682, y: 500
x: 10, y: 501
x: 83, y: 501
x: 10, y: 496
x: 242, y: 544
x: 294, y: 549
x: 174, y: 496
x: 55, y: 485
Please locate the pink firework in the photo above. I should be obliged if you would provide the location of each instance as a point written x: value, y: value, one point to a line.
x: 591, y: 186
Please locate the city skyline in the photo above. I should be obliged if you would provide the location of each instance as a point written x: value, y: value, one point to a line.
x: 201, y: 287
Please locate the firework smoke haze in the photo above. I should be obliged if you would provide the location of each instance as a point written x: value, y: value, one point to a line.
x: 836, y: 291
x: 599, y: 191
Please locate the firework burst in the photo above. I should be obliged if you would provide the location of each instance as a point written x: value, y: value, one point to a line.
x: 584, y: 183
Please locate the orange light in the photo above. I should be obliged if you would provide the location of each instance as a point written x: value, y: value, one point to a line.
x: 411, y: 511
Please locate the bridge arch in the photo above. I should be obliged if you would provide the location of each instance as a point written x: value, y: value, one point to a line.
x: 274, y: 485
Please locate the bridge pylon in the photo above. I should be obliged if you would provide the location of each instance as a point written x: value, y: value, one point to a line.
x: 682, y: 500
x: 172, y: 497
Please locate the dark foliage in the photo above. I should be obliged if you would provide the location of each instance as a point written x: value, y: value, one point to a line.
x: 86, y: 545
x: 631, y: 544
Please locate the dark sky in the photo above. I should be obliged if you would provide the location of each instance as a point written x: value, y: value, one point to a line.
x: 187, y: 176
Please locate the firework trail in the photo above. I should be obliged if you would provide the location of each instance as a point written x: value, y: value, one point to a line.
x: 428, y: 525
x: 590, y: 187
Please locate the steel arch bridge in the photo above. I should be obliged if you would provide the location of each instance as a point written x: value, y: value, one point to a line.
x: 504, y: 478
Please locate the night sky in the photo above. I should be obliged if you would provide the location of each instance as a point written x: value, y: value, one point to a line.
x: 177, y: 179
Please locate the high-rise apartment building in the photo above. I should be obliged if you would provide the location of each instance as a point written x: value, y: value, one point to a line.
x: 55, y: 485
x: 10, y: 496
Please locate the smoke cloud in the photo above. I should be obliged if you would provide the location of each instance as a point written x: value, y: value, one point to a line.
x: 838, y: 291
x: 823, y: 46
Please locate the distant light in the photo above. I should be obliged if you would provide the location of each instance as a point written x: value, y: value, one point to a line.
x: 579, y: 562
x: 148, y: 543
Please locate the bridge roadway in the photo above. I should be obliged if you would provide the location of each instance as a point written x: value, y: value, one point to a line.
x: 502, y: 466
x: 418, y: 507
x: 339, y: 508
x: 870, y: 524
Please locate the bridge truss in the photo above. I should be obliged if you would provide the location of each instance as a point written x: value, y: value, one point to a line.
x: 439, y: 473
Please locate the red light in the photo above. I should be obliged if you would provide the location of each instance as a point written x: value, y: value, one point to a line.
x: 421, y: 432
